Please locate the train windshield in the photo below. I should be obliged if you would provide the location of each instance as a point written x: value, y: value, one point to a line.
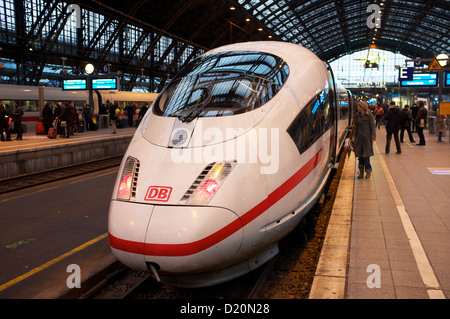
x: 222, y: 84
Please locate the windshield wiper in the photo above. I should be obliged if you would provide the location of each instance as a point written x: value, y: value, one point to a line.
x: 199, y: 105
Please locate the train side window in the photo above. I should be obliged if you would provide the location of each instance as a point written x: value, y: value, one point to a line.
x: 300, y: 131
x: 312, y: 122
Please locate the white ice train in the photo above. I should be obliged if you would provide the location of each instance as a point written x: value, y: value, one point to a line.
x: 235, y: 151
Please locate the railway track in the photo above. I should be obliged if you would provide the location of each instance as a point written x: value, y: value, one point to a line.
x: 22, y: 182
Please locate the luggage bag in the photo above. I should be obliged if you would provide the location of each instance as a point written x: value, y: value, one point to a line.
x: 52, y: 132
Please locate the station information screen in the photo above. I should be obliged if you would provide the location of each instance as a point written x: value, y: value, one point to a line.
x: 74, y: 84
x: 422, y: 79
x: 105, y: 84
x: 447, y: 78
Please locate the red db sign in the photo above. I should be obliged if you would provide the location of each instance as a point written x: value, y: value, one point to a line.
x: 158, y: 193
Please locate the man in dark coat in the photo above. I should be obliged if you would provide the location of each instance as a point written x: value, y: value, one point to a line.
x: 87, y: 114
x: 17, y: 115
x: 414, y: 109
x: 393, y: 119
x: 421, y: 122
x: 406, y: 124
x: 47, y: 115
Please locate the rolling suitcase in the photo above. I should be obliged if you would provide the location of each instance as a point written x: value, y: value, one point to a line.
x: 52, y: 132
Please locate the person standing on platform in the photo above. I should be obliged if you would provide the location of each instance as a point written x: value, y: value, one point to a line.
x: 73, y: 119
x: 5, y: 122
x: 414, y: 109
x: 66, y: 118
x: 47, y: 115
x: 441, y: 125
x: 2, y: 121
x: 114, y: 115
x: 363, y: 136
x: 421, y: 122
x: 393, y: 119
x: 406, y: 124
x: 379, y: 112
x: 57, y: 115
x: 130, y: 110
x: 87, y: 114
x: 17, y: 115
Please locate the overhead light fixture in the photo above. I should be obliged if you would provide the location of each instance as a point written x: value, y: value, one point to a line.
x: 89, y: 68
x: 260, y: 29
x: 248, y: 19
x: 442, y: 59
x: 232, y: 8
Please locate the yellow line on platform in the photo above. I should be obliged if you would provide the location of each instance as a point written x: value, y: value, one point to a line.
x: 51, y: 262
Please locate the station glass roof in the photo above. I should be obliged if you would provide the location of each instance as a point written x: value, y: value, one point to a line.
x: 333, y: 28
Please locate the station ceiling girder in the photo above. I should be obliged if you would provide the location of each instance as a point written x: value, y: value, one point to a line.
x: 158, y: 36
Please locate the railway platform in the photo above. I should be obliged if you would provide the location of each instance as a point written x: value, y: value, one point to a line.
x: 37, y: 153
x: 389, y: 235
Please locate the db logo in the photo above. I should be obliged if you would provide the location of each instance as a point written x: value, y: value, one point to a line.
x: 158, y: 193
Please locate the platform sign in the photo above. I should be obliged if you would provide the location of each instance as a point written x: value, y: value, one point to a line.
x: 406, y: 74
x: 105, y: 83
x: 422, y: 80
x: 434, y: 65
x: 445, y: 108
x: 104, y: 68
x: 74, y: 84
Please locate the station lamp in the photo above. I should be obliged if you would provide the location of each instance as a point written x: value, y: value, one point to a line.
x: 89, y: 68
x: 442, y: 59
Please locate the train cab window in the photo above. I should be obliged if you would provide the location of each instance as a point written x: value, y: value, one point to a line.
x: 222, y: 84
x: 312, y: 122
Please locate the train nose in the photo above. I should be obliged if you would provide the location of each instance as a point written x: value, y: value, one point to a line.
x: 183, y: 239
x: 179, y: 239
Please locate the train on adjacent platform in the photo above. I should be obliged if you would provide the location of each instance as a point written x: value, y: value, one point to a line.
x: 31, y: 97
x: 235, y: 151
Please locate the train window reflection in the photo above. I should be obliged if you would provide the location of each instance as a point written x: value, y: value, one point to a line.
x: 222, y: 84
x: 312, y: 122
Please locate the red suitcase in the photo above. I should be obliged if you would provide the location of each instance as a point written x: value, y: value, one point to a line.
x: 52, y: 132
x: 40, y: 130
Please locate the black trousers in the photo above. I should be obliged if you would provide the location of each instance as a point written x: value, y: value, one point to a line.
x: 402, y: 133
x: 421, y: 136
x: 18, y: 127
x: 396, y: 139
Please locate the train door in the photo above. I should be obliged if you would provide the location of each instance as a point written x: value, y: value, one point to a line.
x: 334, y: 116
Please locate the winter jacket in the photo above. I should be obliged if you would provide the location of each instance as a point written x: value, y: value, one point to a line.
x: 406, y: 118
x: 393, y: 118
x: 422, y: 113
x: 363, y: 133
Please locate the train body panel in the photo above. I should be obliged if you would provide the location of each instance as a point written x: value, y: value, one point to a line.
x: 224, y: 183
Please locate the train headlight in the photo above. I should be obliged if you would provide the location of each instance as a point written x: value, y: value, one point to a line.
x: 128, y: 179
x: 208, y: 183
x: 125, y: 187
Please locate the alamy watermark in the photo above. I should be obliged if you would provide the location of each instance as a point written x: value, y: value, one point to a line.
x: 374, y: 19
x: 75, y: 8
x: 374, y: 279
x: 260, y: 145
x: 74, y: 279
